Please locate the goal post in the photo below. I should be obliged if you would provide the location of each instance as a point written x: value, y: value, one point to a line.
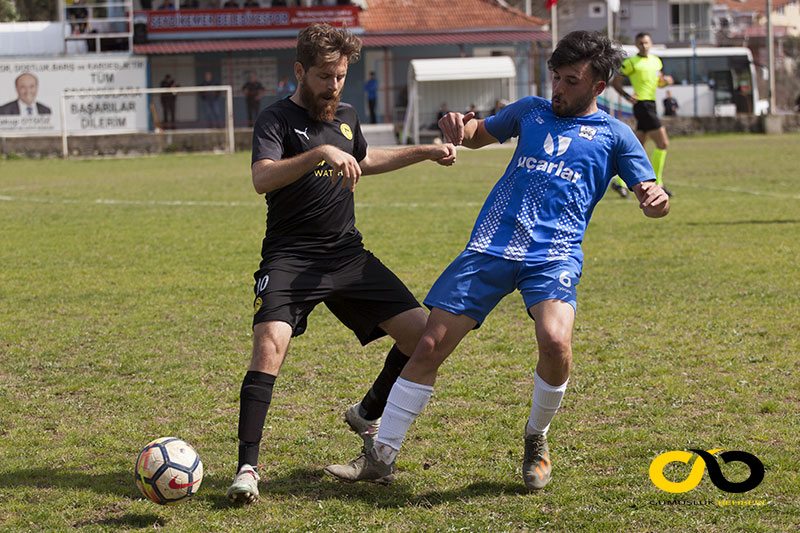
x: 72, y: 94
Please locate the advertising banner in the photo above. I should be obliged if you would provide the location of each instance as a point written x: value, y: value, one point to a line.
x: 201, y: 20
x: 30, y: 95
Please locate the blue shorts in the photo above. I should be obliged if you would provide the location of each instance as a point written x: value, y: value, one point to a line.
x: 474, y: 283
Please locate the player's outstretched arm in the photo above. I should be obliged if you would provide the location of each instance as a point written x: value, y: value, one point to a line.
x: 269, y: 175
x: 463, y: 130
x: 380, y: 160
x: 616, y: 82
x: 653, y: 201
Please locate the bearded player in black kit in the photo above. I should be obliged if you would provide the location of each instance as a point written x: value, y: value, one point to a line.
x: 308, y: 155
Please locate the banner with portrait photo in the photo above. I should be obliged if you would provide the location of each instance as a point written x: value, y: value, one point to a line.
x: 30, y: 95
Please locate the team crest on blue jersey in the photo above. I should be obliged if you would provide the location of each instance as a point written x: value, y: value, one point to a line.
x: 587, y: 132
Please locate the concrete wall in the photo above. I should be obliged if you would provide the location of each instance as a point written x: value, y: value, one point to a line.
x: 206, y: 141
x: 130, y: 144
x: 685, y: 126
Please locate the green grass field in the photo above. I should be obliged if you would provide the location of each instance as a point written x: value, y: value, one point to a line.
x: 125, y: 301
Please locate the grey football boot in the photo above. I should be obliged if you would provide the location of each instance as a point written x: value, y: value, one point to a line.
x: 536, y: 465
x: 365, y: 467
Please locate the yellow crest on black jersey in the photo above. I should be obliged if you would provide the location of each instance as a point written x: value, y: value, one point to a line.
x: 346, y: 131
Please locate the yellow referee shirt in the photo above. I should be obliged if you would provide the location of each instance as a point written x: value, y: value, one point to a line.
x: 643, y: 73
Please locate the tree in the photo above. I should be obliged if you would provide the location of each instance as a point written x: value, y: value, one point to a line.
x: 30, y: 10
x: 8, y: 12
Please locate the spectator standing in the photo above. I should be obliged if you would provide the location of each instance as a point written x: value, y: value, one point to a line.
x: 285, y: 88
x: 252, y: 91
x: 371, y: 88
x: 78, y: 13
x: 741, y: 100
x: 441, y: 113
x: 670, y: 105
x: 498, y: 105
x: 210, y: 113
x: 168, y: 102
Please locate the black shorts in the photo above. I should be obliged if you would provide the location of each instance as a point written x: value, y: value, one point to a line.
x: 646, y: 115
x: 359, y: 290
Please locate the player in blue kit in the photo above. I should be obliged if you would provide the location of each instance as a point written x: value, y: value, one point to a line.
x: 528, y: 237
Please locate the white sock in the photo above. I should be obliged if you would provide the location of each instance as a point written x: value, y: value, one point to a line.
x: 406, y: 400
x: 546, y: 400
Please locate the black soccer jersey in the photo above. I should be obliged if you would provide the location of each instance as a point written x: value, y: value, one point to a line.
x: 310, y: 217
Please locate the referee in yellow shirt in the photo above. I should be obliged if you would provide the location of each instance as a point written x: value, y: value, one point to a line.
x: 644, y: 71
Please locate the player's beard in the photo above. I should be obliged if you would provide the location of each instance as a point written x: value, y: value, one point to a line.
x: 579, y: 108
x: 320, y: 107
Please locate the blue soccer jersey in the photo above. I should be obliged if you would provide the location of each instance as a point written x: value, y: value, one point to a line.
x: 562, y: 166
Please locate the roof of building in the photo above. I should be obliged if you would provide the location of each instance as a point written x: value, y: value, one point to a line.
x: 428, y: 39
x: 761, y: 31
x: 758, y: 6
x: 419, y: 16
x: 463, y: 68
x: 399, y: 23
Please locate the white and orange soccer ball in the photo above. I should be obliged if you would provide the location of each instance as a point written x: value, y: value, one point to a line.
x: 168, y: 470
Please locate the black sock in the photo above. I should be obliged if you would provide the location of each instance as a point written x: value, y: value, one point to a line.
x: 375, y: 400
x: 255, y: 397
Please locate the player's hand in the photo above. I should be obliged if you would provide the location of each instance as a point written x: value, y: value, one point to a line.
x: 653, y: 200
x: 345, y: 166
x: 452, y: 126
x: 444, y: 154
x: 665, y: 80
x: 633, y: 98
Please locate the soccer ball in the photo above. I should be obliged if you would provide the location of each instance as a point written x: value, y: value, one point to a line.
x: 168, y: 470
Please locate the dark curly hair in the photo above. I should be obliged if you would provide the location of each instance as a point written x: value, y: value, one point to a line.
x: 605, y: 57
x: 320, y: 43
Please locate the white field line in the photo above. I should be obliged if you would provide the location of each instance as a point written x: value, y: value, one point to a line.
x: 199, y: 203
x: 737, y: 190
x: 108, y: 201
x: 191, y: 203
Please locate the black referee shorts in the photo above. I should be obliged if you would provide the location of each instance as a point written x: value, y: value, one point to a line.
x: 646, y: 115
x: 359, y: 290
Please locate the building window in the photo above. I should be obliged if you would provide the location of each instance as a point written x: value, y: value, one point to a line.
x: 688, y: 19
x: 597, y: 10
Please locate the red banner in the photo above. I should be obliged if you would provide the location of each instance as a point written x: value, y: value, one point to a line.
x: 195, y: 20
